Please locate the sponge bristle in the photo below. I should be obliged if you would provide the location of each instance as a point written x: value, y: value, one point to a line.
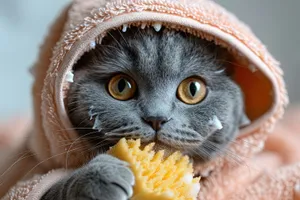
x: 157, y: 177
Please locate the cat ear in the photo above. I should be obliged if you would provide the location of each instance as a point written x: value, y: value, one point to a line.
x: 244, y: 121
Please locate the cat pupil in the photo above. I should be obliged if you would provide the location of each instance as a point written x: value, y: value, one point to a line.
x: 194, y: 88
x: 122, y: 85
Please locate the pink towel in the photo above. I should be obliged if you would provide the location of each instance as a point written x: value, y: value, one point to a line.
x: 44, y: 154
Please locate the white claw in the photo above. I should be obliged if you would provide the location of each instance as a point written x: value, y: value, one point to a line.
x: 132, y: 182
x: 143, y: 25
x: 130, y: 192
x: 157, y: 26
x: 70, y: 77
x: 125, y: 26
x: 297, y: 187
x: 252, y: 68
x: 188, y: 178
x: 216, y: 123
x: 93, y: 44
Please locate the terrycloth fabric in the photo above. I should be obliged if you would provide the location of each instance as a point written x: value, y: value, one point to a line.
x: 281, y: 150
x: 54, y: 146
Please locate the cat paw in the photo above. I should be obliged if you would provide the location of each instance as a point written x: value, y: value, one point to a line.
x: 104, y: 178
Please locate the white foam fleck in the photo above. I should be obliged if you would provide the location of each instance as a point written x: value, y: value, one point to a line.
x: 143, y: 26
x: 252, y: 68
x: 70, y: 77
x: 91, y: 113
x: 261, y: 145
x: 220, y: 71
x: 297, y: 188
x: 188, y: 178
x: 216, y: 123
x: 124, y: 29
x: 157, y: 26
x: 97, y: 124
x: 93, y: 44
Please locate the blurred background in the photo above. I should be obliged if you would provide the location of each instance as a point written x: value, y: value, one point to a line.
x: 24, y: 23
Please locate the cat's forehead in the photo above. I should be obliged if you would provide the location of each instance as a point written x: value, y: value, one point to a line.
x: 150, y: 55
x: 168, y: 54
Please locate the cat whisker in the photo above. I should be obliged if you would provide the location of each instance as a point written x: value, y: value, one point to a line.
x: 77, y: 139
x: 123, y: 37
x: 102, y: 143
x: 74, y: 128
x: 226, y: 151
x: 233, y: 141
x: 77, y: 109
x: 198, y: 154
x: 192, y: 134
x: 25, y: 155
x: 75, y: 101
x: 117, y: 42
x: 64, y: 144
x: 45, y: 160
x: 110, y: 46
x: 93, y: 149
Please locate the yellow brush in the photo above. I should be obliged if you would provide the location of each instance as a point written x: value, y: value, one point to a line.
x: 157, y: 177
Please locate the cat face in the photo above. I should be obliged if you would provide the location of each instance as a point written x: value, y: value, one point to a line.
x: 167, y: 86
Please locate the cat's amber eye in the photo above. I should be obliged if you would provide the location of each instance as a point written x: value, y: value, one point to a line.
x: 192, y: 90
x: 122, y: 87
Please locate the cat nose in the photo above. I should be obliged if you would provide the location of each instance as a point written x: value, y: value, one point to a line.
x: 156, y: 122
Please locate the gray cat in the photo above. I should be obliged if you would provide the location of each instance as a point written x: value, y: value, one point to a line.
x: 169, y: 87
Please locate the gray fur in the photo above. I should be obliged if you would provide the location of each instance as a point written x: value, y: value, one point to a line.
x: 104, y: 178
x: 158, y: 62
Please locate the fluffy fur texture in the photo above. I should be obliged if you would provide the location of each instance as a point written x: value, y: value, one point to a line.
x: 158, y: 62
x: 103, y: 178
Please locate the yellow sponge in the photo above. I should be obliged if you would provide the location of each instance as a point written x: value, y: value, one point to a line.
x: 157, y: 177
